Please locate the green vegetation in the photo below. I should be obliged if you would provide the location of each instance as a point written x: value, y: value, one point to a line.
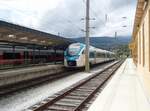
x: 122, y: 51
x: 119, y: 45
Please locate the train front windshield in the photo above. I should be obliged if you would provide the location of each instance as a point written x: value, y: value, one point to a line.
x: 73, y: 51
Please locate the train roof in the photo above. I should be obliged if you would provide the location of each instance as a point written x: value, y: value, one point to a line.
x: 92, y: 48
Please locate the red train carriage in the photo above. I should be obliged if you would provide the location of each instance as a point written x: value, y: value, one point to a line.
x: 9, y: 56
x: 21, y: 55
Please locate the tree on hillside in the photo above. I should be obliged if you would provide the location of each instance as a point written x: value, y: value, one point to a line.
x: 122, y: 51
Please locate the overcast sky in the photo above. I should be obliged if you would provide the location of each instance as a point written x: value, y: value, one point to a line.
x: 64, y: 16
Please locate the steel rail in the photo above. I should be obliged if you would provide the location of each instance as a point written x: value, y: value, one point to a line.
x: 45, y: 105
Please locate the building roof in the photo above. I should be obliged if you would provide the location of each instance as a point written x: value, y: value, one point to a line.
x: 15, y: 33
x: 141, y: 6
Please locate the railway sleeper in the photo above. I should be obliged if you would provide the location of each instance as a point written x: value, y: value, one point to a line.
x: 74, y: 97
x: 79, y: 95
x: 86, y: 87
x: 71, y: 100
x: 57, y: 107
x: 92, y: 86
x: 67, y: 104
x: 87, y: 90
x: 94, y: 83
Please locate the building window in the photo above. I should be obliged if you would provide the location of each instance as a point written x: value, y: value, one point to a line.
x: 143, y: 44
x: 139, y: 47
x: 149, y: 39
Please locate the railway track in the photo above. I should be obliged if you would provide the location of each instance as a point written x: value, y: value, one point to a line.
x: 26, y: 84
x: 78, y: 97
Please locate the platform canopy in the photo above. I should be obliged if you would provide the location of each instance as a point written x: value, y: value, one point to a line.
x: 19, y: 34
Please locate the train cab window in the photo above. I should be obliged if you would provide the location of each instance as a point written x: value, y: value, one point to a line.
x: 83, y: 52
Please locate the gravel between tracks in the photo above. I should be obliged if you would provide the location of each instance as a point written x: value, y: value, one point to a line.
x: 25, y: 98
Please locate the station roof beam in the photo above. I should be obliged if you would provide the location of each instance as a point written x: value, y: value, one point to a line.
x: 15, y: 33
x: 141, y: 5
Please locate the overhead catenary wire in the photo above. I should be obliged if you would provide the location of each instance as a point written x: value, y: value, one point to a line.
x: 99, y: 20
x: 94, y: 13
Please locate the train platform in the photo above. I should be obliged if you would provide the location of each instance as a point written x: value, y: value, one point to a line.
x: 13, y: 76
x: 124, y: 92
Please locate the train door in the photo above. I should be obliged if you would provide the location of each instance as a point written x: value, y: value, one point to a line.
x: 95, y: 56
x: 26, y: 57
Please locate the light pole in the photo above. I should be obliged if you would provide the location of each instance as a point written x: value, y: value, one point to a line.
x: 87, y: 67
x: 115, y: 35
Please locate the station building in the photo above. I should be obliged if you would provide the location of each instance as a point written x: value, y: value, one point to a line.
x: 140, y: 45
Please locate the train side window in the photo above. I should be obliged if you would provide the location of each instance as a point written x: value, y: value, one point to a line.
x: 11, y: 55
x: 102, y: 55
x: 99, y: 55
x: 92, y: 54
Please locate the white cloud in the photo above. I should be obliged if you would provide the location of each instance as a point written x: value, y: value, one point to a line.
x: 26, y: 12
x: 64, y: 16
x: 116, y: 22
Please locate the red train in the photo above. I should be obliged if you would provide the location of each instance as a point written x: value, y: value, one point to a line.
x: 21, y: 55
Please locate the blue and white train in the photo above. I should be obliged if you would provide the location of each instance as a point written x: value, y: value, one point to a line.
x: 74, y: 55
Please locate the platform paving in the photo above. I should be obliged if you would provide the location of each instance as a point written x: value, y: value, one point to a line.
x: 12, y: 72
x: 124, y: 92
x: 23, y: 74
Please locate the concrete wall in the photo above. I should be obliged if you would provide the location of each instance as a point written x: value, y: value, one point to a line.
x: 15, y: 76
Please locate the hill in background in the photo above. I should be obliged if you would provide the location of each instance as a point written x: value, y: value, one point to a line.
x: 118, y: 45
x: 108, y: 43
